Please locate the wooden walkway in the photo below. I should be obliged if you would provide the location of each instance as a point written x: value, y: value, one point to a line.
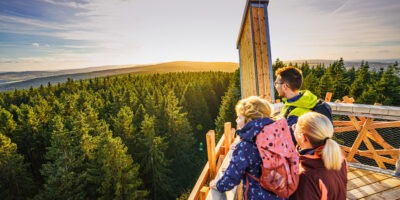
x: 369, y: 184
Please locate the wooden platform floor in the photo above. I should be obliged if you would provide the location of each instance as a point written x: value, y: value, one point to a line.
x: 366, y: 184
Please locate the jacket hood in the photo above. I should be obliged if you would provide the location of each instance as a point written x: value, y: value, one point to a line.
x: 313, y: 161
x: 253, y: 128
x: 308, y: 100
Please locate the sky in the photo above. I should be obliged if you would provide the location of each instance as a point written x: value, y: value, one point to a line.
x: 66, y: 34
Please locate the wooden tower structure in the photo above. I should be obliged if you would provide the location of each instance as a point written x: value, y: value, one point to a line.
x: 254, y: 47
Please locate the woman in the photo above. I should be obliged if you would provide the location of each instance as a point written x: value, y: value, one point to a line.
x: 252, y: 115
x: 323, y: 170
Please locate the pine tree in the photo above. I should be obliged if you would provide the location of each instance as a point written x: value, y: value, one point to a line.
x: 7, y: 123
x: 368, y: 95
x: 122, y: 124
x: 227, y: 111
x: 309, y: 83
x: 119, y: 174
x: 181, y: 143
x: 339, y: 81
x: 195, y: 105
x: 65, y: 176
x: 15, y: 181
x: 361, y: 80
x: 154, y: 166
x: 325, y: 85
x: 388, y: 87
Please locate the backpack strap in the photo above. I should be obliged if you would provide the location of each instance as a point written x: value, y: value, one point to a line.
x: 289, y: 110
x: 253, y: 177
x: 319, y: 101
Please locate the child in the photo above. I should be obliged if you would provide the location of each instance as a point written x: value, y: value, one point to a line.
x: 323, y: 170
x: 252, y: 116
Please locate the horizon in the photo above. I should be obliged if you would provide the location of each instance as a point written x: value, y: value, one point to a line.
x: 53, y: 35
x: 298, y: 61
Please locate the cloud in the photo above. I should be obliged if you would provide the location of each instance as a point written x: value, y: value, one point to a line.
x: 35, y: 44
x: 70, y: 4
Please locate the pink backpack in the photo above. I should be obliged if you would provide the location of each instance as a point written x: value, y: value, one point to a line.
x: 279, y: 154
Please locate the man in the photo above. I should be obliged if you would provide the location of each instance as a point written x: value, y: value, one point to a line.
x: 297, y: 102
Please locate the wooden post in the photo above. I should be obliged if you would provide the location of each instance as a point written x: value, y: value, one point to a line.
x: 211, y: 153
x: 228, y: 137
x: 203, y: 192
x: 328, y: 96
x: 346, y: 99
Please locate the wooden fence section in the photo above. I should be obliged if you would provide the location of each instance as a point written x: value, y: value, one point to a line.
x: 216, y: 155
x: 362, y: 120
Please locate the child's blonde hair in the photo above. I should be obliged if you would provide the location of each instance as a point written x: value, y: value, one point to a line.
x: 319, y: 131
x: 253, y: 107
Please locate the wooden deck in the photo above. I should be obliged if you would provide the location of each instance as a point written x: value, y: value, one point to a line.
x: 372, y: 184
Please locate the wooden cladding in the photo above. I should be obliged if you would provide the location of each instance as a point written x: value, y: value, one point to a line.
x: 254, y: 52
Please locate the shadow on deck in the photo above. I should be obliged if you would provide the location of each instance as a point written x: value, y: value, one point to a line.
x: 365, y: 182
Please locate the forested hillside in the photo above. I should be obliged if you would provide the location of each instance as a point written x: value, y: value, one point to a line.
x: 138, y: 136
x: 364, y: 85
x: 126, y: 137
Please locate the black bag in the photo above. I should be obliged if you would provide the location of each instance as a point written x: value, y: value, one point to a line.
x: 321, y: 107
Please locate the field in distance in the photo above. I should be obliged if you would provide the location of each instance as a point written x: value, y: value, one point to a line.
x: 21, y: 80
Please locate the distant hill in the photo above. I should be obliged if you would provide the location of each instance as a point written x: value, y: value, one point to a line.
x: 373, y: 64
x: 21, y: 80
x: 12, y: 77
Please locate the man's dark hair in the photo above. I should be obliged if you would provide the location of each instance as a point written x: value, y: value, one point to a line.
x: 291, y: 76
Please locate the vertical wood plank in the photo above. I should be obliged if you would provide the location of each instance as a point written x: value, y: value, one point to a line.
x: 211, y: 153
x: 247, y: 63
x: 328, y: 96
x: 204, y: 192
x: 228, y: 137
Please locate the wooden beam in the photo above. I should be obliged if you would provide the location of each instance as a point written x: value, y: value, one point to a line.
x: 380, y: 152
x: 343, y: 123
x: 211, y: 153
x: 328, y: 96
x: 344, y: 129
x: 362, y: 132
x: 203, y: 192
x: 228, y: 136
x: 376, y: 157
x: 385, y: 124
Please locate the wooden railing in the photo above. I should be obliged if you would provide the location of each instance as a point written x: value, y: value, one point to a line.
x: 216, y: 155
x: 361, y: 120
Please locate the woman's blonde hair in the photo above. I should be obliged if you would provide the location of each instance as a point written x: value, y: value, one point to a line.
x: 253, y: 107
x: 319, y: 131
